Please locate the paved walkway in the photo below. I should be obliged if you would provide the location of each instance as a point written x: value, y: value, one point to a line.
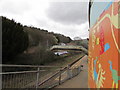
x: 81, y: 80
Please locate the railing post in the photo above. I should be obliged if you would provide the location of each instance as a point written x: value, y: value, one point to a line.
x: 38, y: 69
x: 60, y: 77
x: 79, y: 69
x: 68, y: 72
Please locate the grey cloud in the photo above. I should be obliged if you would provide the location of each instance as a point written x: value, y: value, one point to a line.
x: 60, y: 17
x: 68, y: 12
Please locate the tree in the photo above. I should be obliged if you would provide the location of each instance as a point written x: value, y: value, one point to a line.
x: 14, y: 39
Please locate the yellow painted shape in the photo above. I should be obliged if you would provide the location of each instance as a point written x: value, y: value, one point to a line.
x: 99, y: 82
x: 113, y: 84
x: 117, y: 86
x: 97, y: 41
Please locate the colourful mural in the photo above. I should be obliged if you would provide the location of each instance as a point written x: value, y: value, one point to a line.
x: 104, y: 47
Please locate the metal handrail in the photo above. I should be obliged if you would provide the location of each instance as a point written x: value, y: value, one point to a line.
x: 62, y: 69
x: 52, y: 76
x: 8, y: 65
x: 76, y: 61
x: 22, y: 72
x: 32, y: 78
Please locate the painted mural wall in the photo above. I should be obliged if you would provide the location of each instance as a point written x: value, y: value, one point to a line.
x: 104, y: 45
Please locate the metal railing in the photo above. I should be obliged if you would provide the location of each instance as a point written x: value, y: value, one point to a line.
x: 24, y: 76
x: 30, y: 76
x: 61, y: 76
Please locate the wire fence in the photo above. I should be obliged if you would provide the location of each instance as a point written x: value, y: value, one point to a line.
x: 29, y: 76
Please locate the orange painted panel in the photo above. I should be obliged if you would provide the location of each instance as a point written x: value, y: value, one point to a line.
x: 104, y: 49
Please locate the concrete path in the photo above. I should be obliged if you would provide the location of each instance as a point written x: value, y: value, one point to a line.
x: 81, y: 80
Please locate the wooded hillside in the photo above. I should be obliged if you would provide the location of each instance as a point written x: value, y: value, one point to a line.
x: 28, y: 45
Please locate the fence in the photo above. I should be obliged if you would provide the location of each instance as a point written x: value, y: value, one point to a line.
x: 24, y: 76
x: 29, y: 76
x: 61, y: 76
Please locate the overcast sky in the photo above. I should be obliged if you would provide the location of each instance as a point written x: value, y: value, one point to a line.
x: 68, y: 18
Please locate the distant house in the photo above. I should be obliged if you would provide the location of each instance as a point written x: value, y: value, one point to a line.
x: 77, y: 38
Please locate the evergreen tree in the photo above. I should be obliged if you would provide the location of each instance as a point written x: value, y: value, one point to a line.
x: 14, y: 39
